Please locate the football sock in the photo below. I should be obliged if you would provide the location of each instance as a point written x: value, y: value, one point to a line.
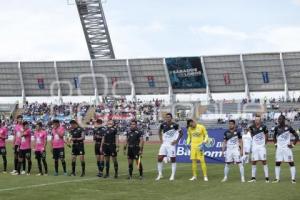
x: 277, y: 172
x: 253, y: 171
x: 194, y: 167
x: 266, y: 170
x: 293, y: 172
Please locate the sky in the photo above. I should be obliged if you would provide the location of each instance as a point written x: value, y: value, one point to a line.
x: 38, y: 30
x: 47, y: 30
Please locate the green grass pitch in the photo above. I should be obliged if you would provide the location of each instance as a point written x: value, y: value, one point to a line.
x: 91, y: 187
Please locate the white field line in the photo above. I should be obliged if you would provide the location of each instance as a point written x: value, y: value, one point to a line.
x: 70, y: 181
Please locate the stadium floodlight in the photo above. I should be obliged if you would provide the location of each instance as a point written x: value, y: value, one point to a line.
x: 95, y: 28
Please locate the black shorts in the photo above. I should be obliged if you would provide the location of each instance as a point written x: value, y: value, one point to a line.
x: 16, y: 149
x: 3, y: 151
x: 109, y: 150
x: 59, y: 153
x: 78, y: 149
x: 25, y: 153
x: 40, y: 155
x: 97, y: 149
x: 133, y: 153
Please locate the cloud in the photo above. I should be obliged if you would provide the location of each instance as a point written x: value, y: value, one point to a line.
x: 220, y: 31
x: 223, y: 40
x: 281, y: 38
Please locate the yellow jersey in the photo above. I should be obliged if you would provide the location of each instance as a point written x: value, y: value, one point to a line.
x: 197, y: 135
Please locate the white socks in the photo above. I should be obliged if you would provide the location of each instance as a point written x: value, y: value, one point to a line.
x: 226, y: 170
x: 173, y: 169
x: 277, y: 172
x: 241, y: 166
x: 293, y: 172
x: 266, y: 170
x: 253, y: 171
x: 159, y: 168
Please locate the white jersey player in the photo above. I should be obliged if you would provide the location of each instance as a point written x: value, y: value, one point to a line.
x: 284, y: 145
x: 233, y: 145
x: 259, y: 134
x: 169, y: 135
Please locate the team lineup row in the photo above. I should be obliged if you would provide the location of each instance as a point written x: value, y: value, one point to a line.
x: 107, y: 147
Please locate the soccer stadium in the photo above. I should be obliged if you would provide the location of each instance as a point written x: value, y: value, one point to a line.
x: 214, y: 127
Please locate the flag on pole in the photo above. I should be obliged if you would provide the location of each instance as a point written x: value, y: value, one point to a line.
x: 151, y: 81
x: 265, y: 76
x: 41, y: 83
x: 76, y: 82
x: 226, y: 78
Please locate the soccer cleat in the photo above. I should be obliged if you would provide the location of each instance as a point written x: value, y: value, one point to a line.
x: 72, y: 174
x: 106, y: 176
x: 65, y: 174
x: 267, y: 180
x: 224, y: 179
x: 172, y: 178
x: 276, y: 181
x: 159, y: 177
x: 116, y: 176
x: 141, y: 178
x: 294, y: 181
x: 193, y: 178
x: 129, y: 177
x: 46, y: 174
x: 82, y: 175
x: 99, y: 175
x: 28, y: 174
x: 39, y: 174
x: 55, y: 174
x: 4, y: 172
x: 13, y: 171
x: 15, y: 174
x: 23, y: 172
x: 243, y: 179
x: 253, y: 180
x: 205, y: 178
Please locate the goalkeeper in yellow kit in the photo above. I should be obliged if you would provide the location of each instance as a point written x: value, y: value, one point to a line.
x: 197, y: 137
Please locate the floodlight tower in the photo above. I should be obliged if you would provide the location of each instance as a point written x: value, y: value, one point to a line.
x: 95, y: 29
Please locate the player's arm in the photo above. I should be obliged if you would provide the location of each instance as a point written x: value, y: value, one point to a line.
x: 160, y: 133
x: 266, y: 132
x: 51, y: 145
x: 179, y: 136
x: 102, y: 142
x: 3, y: 137
x: 205, y: 135
x: 45, y: 140
x: 95, y: 136
x: 141, y: 144
x: 61, y: 133
x: 82, y: 136
x: 126, y: 143
x: 294, y: 133
x: 241, y: 146
x: 14, y: 137
x: 189, y: 137
x: 224, y: 146
x: 34, y: 142
x: 275, y: 136
x: 117, y: 141
x: 25, y: 133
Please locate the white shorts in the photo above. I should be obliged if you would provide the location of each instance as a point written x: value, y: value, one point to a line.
x: 259, y: 154
x: 246, y: 149
x: 233, y: 155
x: 167, y: 150
x: 284, y: 155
